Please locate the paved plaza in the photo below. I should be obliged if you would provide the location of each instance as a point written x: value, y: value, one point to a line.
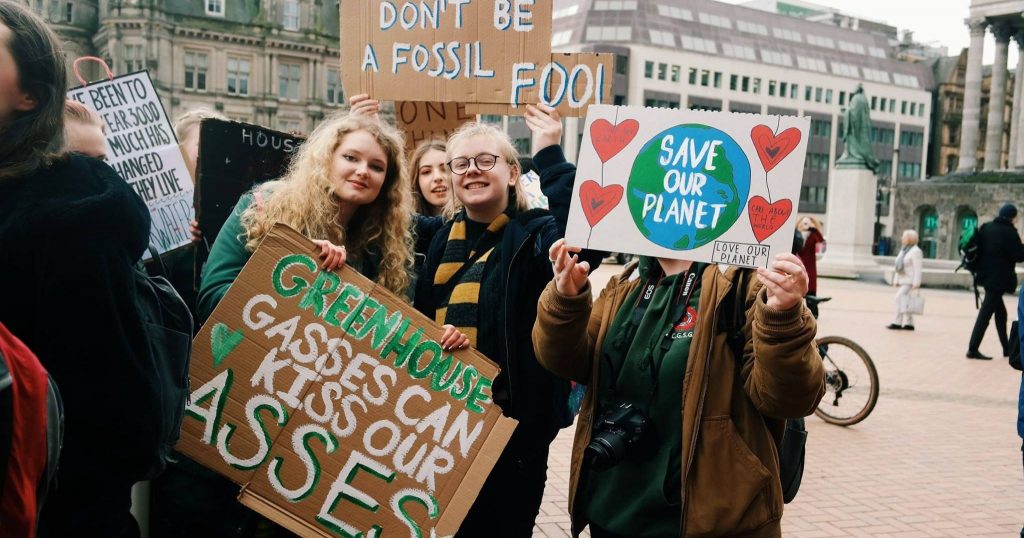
x: 939, y: 456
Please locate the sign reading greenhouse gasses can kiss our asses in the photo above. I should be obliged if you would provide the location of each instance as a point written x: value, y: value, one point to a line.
x: 686, y: 184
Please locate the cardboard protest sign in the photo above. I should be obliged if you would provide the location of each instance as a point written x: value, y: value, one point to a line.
x: 463, y: 51
x: 531, y: 186
x: 142, y: 147
x: 570, y: 82
x: 686, y: 184
x: 331, y: 402
x: 233, y: 158
x: 429, y: 121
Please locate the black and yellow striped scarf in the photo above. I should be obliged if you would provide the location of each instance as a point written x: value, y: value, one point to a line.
x: 461, y: 308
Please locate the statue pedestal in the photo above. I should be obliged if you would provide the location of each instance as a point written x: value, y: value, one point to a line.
x: 850, y: 224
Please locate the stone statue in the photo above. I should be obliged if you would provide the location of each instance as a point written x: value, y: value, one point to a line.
x: 857, y: 134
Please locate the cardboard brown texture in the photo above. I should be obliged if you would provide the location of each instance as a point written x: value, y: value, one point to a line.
x: 330, y: 401
x: 439, y: 50
x: 429, y: 121
x: 571, y: 81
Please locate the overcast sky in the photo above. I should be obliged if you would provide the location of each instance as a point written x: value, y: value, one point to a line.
x: 940, y: 21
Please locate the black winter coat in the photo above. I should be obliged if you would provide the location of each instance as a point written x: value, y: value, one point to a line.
x: 69, y: 237
x: 536, y: 397
x: 1001, y: 249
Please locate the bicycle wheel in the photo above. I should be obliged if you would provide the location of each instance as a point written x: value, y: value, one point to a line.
x: 851, y: 382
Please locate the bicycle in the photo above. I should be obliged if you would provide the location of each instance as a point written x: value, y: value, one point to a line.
x: 851, y: 380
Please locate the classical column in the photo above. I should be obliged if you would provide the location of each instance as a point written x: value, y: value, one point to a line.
x: 997, y: 100
x: 969, y: 128
x: 1015, y: 113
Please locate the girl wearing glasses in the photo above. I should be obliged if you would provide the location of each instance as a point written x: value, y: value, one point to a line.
x: 484, y: 271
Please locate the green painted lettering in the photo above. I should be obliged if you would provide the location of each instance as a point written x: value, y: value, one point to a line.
x: 341, y: 306
x: 399, y: 500
x: 424, y: 347
x: 402, y: 350
x: 467, y: 383
x: 215, y: 391
x: 300, y: 444
x: 342, y: 489
x: 298, y: 284
x: 369, y: 309
x: 481, y: 394
x: 252, y: 412
x: 437, y: 380
x: 314, y: 298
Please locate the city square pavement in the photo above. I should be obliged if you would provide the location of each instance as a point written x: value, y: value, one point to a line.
x: 939, y: 456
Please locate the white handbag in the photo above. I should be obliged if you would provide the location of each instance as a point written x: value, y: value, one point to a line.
x: 912, y: 304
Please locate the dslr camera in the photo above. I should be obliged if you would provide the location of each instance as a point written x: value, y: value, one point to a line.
x: 622, y: 431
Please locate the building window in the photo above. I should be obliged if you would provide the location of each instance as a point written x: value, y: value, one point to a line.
x: 793, y: 89
x: 928, y: 227
x: 816, y: 162
x: 847, y: 46
x: 788, y: 35
x: 821, y: 41
x: 614, y: 5
x: 565, y: 12
x: 845, y: 70
x: 289, y: 125
x: 751, y: 28
x: 811, y: 64
x: 621, y: 64
x: 667, y: 39
x: 288, y: 77
x: 662, y: 71
x: 828, y: 97
x: 734, y: 82
x: 609, y: 33
x: 909, y: 81
x: 238, y: 76
x: 715, y: 20
x: 777, y: 58
x: 745, y: 84
x: 739, y: 51
x: 882, y: 136
x: 693, y: 75
x: 808, y: 93
x: 756, y: 86
x: 133, y: 58
x: 195, y: 71
x: 675, y: 12
x: 698, y: 44
x: 913, y: 109
x: 290, y: 14
x: 215, y: 7
x: 661, y: 103
x: 705, y: 77
x: 648, y: 69
x: 718, y: 79
x: 559, y: 39
x: 620, y: 100
x: 675, y: 73
x: 771, y: 88
x: 69, y: 12
x: 822, y: 128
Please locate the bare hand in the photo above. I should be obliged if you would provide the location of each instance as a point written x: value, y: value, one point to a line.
x: 546, y: 123
x: 332, y: 255
x: 453, y: 338
x: 362, y: 105
x: 785, y: 282
x: 570, y: 273
x: 197, y: 234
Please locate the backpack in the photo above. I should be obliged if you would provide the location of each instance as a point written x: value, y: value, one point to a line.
x: 792, y: 451
x: 970, y: 258
x: 30, y: 405
x: 168, y: 325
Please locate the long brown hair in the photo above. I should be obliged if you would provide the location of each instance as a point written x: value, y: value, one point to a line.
x: 29, y: 140
x: 422, y: 207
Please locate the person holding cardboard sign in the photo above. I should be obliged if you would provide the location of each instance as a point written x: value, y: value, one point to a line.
x: 483, y: 274
x: 649, y: 350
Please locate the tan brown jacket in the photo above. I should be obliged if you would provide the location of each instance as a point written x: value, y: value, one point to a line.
x: 732, y: 421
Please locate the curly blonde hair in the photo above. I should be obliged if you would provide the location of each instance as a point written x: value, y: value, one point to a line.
x: 304, y: 200
x: 505, y: 148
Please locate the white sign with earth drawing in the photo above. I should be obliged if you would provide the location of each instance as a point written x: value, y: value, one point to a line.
x: 704, y: 186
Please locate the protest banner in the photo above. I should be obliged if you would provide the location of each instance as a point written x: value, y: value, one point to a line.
x: 233, y: 158
x: 429, y: 121
x: 330, y: 401
x: 704, y: 186
x: 570, y: 82
x: 461, y: 51
x: 531, y: 187
x: 142, y: 148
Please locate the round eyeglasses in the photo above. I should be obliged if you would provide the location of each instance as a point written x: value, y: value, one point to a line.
x: 484, y: 162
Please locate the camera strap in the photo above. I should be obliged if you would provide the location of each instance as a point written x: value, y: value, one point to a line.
x: 655, y: 356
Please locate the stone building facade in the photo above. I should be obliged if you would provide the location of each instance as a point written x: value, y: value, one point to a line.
x: 947, y: 116
x: 270, y: 62
x: 940, y: 209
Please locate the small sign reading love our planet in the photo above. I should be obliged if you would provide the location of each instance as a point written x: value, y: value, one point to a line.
x: 704, y: 186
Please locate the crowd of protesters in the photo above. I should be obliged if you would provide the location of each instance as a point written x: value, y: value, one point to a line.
x: 453, y: 235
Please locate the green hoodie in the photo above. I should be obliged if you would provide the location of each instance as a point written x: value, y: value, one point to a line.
x: 640, y: 496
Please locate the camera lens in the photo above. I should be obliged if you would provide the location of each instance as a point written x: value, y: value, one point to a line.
x: 606, y: 449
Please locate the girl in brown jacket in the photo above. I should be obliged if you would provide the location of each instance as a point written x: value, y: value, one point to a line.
x: 677, y: 435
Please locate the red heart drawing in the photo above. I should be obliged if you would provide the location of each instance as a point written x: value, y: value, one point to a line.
x: 765, y: 218
x: 598, y: 201
x: 609, y: 139
x: 772, y: 148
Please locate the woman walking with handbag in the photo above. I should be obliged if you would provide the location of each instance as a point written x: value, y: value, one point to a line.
x: 907, y: 277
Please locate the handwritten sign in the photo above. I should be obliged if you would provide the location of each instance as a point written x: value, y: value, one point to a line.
x: 331, y: 402
x: 429, y: 121
x: 142, y: 148
x: 233, y: 158
x: 464, y: 51
x: 696, y: 185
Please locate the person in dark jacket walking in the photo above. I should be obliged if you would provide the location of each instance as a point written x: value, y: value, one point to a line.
x: 71, y: 231
x: 483, y: 274
x: 1001, y: 249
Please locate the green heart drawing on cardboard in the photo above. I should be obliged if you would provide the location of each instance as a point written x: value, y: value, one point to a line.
x: 223, y: 341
